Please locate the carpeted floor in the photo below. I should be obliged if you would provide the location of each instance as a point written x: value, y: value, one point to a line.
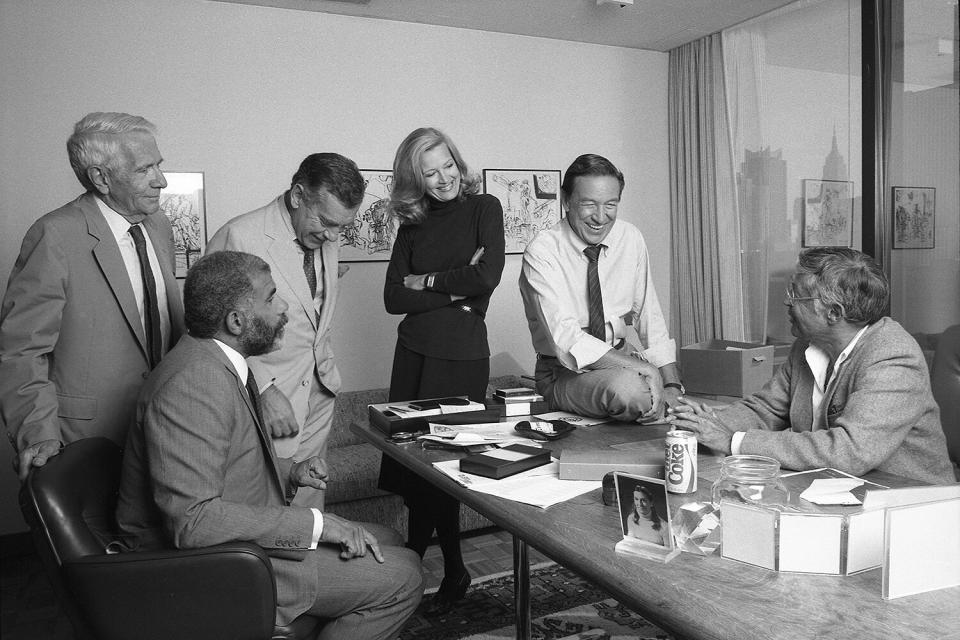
x: 564, y: 606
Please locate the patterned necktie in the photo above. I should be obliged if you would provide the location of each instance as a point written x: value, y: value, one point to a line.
x: 150, y: 304
x: 594, y: 296
x: 309, y: 270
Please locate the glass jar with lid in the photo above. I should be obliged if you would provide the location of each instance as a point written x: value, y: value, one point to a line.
x: 749, y: 480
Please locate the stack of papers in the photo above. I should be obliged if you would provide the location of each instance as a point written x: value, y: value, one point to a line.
x: 540, y: 487
x: 470, y: 435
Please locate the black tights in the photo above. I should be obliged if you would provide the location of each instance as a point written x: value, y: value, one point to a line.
x: 441, y: 513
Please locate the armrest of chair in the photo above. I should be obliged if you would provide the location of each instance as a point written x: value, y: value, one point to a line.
x: 225, y: 591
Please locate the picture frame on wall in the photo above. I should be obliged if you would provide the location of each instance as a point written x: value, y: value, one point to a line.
x: 827, y: 213
x: 182, y: 201
x: 914, y: 217
x: 530, y: 199
x: 371, y: 237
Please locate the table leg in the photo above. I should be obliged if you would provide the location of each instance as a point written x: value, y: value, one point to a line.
x: 521, y: 588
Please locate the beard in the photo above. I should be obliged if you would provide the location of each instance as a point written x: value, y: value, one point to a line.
x: 259, y: 337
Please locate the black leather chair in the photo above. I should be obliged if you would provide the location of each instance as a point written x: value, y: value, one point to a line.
x: 226, y: 591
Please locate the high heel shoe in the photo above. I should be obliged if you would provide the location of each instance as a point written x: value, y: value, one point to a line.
x: 449, y: 593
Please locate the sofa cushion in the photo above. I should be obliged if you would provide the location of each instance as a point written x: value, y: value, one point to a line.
x: 354, y: 471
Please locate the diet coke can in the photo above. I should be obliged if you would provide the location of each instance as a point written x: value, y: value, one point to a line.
x: 680, y: 462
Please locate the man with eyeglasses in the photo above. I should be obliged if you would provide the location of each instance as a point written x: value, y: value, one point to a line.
x: 585, y: 284
x: 297, y: 234
x: 854, y: 393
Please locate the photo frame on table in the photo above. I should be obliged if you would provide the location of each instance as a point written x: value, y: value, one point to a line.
x: 182, y: 201
x: 371, y: 237
x: 530, y: 199
x: 644, y: 518
x: 914, y: 217
x: 827, y: 213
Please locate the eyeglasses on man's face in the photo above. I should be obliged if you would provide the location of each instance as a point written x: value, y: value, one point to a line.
x: 790, y: 298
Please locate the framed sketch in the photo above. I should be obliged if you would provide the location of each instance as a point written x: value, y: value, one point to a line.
x: 530, y: 200
x: 371, y: 237
x: 644, y: 518
x: 827, y: 213
x: 914, y: 215
x: 183, y: 203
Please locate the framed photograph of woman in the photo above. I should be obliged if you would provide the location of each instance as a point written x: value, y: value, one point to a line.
x: 530, y: 199
x: 644, y: 517
x: 183, y: 203
x: 914, y: 217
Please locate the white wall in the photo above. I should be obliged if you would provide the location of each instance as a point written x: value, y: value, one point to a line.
x: 244, y: 93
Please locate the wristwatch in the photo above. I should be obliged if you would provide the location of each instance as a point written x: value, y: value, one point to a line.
x: 675, y: 385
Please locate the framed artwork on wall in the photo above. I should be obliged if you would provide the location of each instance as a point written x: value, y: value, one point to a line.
x: 530, y: 200
x: 371, y: 237
x: 827, y: 213
x: 914, y: 217
x: 183, y: 203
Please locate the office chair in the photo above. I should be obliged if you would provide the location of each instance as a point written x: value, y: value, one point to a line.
x: 945, y: 382
x: 226, y: 591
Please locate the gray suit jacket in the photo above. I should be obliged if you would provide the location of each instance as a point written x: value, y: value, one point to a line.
x: 879, y: 410
x: 306, y: 338
x: 199, y: 470
x: 72, y: 346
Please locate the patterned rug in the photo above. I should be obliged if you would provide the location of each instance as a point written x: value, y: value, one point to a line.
x: 563, y: 606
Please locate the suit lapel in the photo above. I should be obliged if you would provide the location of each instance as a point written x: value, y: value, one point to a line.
x: 331, y: 253
x: 284, y: 255
x: 107, y: 254
x: 155, y: 225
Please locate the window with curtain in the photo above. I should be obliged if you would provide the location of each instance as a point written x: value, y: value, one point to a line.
x: 793, y: 97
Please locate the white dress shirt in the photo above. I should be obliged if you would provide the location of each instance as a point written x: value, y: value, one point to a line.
x: 120, y: 227
x: 553, y: 284
x: 236, y: 359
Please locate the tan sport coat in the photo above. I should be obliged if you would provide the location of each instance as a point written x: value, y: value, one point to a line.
x: 72, y: 346
x: 306, y: 339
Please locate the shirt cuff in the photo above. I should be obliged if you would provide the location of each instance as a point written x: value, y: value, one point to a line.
x: 317, y: 527
x: 661, y: 354
x: 735, y: 442
x: 588, y: 350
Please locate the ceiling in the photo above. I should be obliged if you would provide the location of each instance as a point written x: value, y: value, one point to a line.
x: 658, y: 25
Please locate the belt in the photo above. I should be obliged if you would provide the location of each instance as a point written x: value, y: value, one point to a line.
x: 543, y: 356
x: 468, y: 309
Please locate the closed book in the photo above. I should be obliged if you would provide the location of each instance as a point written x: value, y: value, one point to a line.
x: 593, y: 464
x: 530, y: 397
x: 513, y: 392
x: 504, y: 462
x: 510, y: 409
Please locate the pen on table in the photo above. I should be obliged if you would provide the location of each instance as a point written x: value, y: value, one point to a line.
x: 400, y: 409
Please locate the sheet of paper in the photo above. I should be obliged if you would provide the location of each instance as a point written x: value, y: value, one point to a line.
x: 572, y: 418
x: 540, y: 487
x: 471, y: 434
x: 832, y: 491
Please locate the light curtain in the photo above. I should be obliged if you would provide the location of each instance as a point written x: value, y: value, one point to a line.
x: 707, y: 301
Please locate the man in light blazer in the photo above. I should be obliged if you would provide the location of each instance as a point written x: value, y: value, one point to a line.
x: 854, y: 394
x: 297, y: 234
x: 199, y: 467
x: 74, y: 345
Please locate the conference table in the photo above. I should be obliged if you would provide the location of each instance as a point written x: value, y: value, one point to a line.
x: 692, y: 596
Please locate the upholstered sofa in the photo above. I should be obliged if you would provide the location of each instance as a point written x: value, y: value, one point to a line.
x: 354, y: 466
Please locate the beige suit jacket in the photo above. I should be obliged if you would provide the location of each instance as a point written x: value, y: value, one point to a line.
x: 72, y: 347
x: 306, y: 341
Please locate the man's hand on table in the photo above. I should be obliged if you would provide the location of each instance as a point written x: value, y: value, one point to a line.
x: 700, y: 419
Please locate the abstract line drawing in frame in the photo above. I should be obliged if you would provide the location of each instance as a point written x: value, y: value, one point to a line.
x: 530, y: 200
x: 371, y: 237
x: 827, y: 213
x: 914, y: 217
x: 182, y: 201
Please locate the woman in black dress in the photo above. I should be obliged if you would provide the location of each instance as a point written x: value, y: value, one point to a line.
x: 446, y: 262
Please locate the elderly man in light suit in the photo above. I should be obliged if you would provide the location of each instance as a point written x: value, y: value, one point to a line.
x: 92, y: 303
x: 297, y: 234
x: 854, y: 394
x: 199, y: 468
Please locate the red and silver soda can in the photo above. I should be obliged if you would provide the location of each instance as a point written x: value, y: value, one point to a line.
x: 680, y: 462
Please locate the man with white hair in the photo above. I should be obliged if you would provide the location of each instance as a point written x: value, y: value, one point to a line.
x: 92, y: 303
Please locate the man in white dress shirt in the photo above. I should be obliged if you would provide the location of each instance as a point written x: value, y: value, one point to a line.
x: 579, y: 320
x: 92, y: 303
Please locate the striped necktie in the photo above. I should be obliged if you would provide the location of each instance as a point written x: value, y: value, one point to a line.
x: 151, y: 306
x: 594, y: 296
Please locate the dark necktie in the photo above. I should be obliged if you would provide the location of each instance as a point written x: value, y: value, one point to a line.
x: 309, y: 269
x: 254, y: 396
x: 594, y: 296
x: 150, y: 305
